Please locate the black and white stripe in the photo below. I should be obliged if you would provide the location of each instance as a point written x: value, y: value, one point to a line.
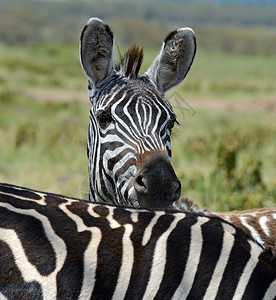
x: 53, y: 247
x: 130, y: 120
x: 138, y: 126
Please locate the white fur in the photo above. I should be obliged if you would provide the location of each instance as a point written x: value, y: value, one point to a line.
x: 159, y: 260
x: 193, y: 260
x: 29, y: 271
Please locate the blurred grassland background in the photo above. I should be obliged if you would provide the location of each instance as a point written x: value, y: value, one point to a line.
x: 224, y: 151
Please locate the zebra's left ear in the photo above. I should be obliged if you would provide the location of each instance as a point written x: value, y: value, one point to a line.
x: 175, y: 59
x: 96, y: 51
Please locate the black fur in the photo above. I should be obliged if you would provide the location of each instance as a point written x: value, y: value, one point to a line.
x: 131, y: 62
x: 111, y: 251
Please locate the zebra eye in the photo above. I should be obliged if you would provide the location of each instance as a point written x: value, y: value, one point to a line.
x: 104, y: 119
x: 171, y: 124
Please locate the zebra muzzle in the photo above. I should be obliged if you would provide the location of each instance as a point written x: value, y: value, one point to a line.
x: 156, y: 183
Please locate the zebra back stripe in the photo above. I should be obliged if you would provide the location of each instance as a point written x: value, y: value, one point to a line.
x: 53, y: 247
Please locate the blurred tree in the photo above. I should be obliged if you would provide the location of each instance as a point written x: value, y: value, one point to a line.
x: 228, y: 28
x: 134, y: 30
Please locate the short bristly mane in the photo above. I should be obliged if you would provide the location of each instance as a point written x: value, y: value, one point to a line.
x: 129, y: 65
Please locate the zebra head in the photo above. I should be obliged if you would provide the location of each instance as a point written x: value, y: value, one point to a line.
x: 130, y: 126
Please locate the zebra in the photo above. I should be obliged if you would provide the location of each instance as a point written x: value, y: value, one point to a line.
x: 259, y: 223
x: 128, y: 144
x: 129, y: 164
x: 55, y: 247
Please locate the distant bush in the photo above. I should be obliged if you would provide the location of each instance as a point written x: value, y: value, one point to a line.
x: 225, y: 168
x: 231, y: 28
x: 134, y: 30
x: 25, y: 134
x: 236, y: 39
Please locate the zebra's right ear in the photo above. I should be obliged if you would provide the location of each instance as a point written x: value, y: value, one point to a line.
x: 175, y: 59
x: 96, y: 51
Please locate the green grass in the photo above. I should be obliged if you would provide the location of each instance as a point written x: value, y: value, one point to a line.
x: 223, y: 152
x: 231, y: 76
x: 43, y: 144
x: 218, y: 75
x: 227, y: 160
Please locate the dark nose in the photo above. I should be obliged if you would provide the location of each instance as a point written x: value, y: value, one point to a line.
x: 156, y: 184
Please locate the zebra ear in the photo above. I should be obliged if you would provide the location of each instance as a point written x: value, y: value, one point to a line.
x: 175, y: 59
x: 96, y: 51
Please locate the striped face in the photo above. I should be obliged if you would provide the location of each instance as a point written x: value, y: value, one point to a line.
x: 128, y: 148
x: 128, y: 124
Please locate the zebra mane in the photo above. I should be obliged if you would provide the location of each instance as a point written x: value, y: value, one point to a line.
x: 129, y: 65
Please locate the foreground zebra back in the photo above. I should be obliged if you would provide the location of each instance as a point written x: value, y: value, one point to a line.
x: 52, y: 247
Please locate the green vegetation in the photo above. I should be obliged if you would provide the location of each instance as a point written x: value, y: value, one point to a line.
x: 227, y: 26
x: 43, y: 139
x: 223, y: 152
x: 230, y: 76
x: 43, y: 143
x: 226, y: 160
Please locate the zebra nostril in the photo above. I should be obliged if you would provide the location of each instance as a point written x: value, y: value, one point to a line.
x: 177, y: 191
x: 140, y: 184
